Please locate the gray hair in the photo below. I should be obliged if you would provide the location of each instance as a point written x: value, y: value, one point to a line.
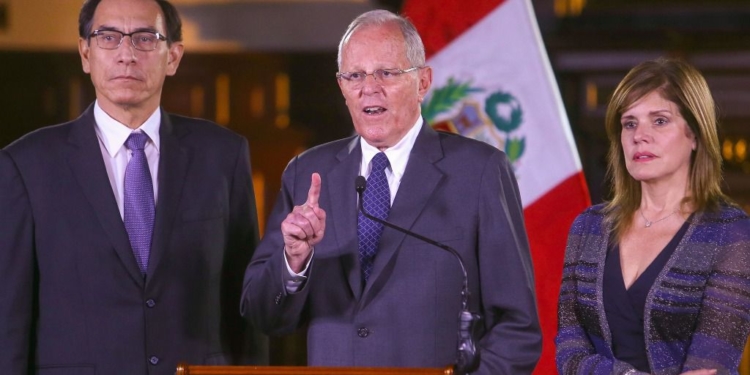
x: 414, y: 47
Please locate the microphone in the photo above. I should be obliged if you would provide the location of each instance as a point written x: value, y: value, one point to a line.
x: 467, y: 356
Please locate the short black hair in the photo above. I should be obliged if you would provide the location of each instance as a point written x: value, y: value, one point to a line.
x: 171, y: 17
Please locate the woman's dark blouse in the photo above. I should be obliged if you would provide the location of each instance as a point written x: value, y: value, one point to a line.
x: 625, y: 307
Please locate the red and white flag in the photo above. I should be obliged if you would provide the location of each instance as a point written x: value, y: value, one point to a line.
x: 492, y: 81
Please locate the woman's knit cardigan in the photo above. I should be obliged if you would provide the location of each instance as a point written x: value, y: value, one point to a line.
x: 697, y: 313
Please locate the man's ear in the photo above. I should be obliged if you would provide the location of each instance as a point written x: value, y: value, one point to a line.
x: 84, y: 48
x: 174, y: 55
x: 425, y: 81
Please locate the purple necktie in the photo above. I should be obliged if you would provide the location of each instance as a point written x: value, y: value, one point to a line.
x: 139, y: 200
x: 376, y: 201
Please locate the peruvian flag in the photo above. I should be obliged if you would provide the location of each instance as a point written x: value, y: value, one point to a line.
x: 492, y: 81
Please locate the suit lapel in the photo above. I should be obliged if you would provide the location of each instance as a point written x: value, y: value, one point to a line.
x: 85, y: 160
x: 343, y: 209
x: 173, y: 163
x: 420, y: 179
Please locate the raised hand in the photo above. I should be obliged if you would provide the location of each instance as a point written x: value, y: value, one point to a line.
x: 304, y: 227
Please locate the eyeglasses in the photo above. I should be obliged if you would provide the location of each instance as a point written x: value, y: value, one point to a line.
x: 141, y: 40
x: 385, y: 76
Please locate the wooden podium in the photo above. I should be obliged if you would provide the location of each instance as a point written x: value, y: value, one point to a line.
x: 185, y: 369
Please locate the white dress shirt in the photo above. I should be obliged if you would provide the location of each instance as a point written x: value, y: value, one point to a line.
x: 398, y: 157
x: 112, y: 136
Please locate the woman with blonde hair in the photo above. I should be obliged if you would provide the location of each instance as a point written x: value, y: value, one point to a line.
x: 657, y: 280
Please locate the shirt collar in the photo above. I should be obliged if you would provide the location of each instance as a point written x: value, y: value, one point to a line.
x: 113, y: 134
x: 398, y: 155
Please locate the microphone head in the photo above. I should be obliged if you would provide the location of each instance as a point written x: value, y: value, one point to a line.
x: 361, y: 184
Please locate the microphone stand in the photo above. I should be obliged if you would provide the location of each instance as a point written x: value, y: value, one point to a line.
x: 468, y: 355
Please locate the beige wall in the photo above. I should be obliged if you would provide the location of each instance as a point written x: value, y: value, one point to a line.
x: 208, y: 25
x: 52, y: 25
x: 41, y: 25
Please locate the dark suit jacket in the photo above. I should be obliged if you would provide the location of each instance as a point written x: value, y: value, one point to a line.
x: 455, y: 190
x: 73, y: 300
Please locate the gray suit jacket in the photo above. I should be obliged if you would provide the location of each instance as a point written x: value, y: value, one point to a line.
x: 73, y: 298
x: 455, y: 190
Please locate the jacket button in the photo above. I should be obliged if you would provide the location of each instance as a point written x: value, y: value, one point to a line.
x: 278, y: 298
x: 363, y: 332
x: 153, y: 360
x: 150, y: 303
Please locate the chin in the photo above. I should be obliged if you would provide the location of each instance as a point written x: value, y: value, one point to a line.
x: 639, y: 176
x: 128, y: 98
x: 371, y: 133
x: 375, y: 142
x: 645, y: 178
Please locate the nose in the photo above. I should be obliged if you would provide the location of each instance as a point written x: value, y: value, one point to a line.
x: 641, y: 134
x: 126, y: 50
x: 371, y: 86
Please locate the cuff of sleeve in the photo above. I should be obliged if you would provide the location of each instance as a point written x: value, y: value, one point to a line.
x: 294, y: 281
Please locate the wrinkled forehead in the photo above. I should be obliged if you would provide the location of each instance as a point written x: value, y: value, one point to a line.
x: 375, y: 44
x: 129, y: 15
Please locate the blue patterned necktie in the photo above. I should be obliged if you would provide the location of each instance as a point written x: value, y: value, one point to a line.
x: 376, y: 201
x: 139, y: 200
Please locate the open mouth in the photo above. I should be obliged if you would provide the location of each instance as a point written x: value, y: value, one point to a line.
x: 640, y: 156
x: 374, y: 110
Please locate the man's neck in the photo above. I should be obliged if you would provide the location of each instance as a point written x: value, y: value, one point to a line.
x: 130, y: 116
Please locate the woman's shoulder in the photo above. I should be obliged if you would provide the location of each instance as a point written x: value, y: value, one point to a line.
x: 597, y: 209
x: 726, y: 213
x: 590, y: 218
x: 733, y: 212
x: 725, y: 225
x: 595, y: 212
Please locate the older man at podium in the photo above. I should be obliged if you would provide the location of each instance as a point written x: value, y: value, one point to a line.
x: 370, y: 295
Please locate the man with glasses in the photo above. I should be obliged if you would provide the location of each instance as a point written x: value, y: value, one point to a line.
x: 369, y: 295
x: 124, y: 233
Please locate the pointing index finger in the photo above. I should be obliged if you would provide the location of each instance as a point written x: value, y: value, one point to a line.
x: 314, y: 193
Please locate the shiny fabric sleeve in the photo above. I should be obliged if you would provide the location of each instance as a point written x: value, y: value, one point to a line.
x: 724, y: 319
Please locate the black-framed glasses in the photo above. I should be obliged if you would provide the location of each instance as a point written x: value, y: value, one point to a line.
x: 141, y: 40
x: 383, y: 75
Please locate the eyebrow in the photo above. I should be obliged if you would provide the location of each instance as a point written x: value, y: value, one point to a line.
x: 660, y: 111
x: 112, y: 28
x: 652, y: 113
